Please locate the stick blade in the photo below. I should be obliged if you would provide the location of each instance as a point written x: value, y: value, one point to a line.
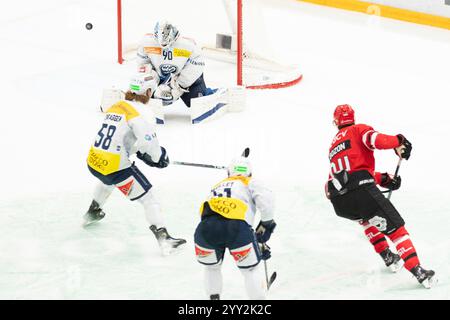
x: 246, y: 152
x: 272, y: 279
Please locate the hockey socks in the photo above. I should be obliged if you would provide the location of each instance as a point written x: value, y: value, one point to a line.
x: 376, y: 238
x: 405, y: 248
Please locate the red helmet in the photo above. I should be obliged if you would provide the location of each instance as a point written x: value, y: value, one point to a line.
x: 343, y: 115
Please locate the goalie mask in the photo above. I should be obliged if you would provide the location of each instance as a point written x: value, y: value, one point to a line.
x: 240, y: 167
x: 165, y: 33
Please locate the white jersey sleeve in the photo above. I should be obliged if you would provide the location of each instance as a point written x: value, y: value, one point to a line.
x: 146, y: 139
x: 193, y: 68
x: 264, y: 199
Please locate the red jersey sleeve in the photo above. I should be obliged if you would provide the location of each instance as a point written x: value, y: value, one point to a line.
x: 374, y: 140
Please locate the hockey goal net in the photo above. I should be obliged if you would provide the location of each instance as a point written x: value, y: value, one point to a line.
x: 230, y: 31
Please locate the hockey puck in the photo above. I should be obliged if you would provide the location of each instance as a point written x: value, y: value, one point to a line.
x: 89, y: 26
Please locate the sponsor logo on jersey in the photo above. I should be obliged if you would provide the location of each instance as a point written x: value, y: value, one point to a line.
x: 181, y: 53
x: 231, y: 208
x: 196, y: 63
x: 168, y: 69
x: 339, y: 136
x: 152, y: 50
x: 239, y: 256
x: 102, y: 161
x: 126, y: 188
x: 345, y: 145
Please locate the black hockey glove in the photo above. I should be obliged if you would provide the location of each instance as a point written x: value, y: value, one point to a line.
x: 404, y: 150
x: 162, y: 163
x: 265, y: 252
x: 264, y: 230
x: 390, y: 182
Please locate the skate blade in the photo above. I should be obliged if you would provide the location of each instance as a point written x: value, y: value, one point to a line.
x: 431, y: 282
x: 88, y: 222
x: 167, y: 249
x: 395, y: 267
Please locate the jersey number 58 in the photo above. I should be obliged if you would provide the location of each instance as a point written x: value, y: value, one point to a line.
x: 105, y: 140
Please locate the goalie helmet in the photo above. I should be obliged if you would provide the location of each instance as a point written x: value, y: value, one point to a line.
x: 165, y: 33
x: 240, y: 167
x: 143, y: 81
x: 343, y: 115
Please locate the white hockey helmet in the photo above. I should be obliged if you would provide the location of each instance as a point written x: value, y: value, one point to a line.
x: 165, y: 33
x: 240, y: 167
x: 142, y: 81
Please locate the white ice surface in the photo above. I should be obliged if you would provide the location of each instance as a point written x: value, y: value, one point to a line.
x: 396, y: 75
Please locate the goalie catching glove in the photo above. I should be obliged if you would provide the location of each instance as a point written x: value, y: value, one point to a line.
x: 162, y: 162
x: 169, y: 92
x: 264, y: 230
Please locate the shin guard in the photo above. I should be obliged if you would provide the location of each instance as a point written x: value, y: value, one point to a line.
x: 405, y: 247
x: 376, y: 238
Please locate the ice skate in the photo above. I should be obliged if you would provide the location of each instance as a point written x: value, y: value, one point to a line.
x: 425, y: 277
x: 214, y: 297
x: 94, y: 214
x: 167, y: 244
x: 392, y: 260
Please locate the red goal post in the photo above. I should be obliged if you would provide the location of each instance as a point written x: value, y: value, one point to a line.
x: 252, y: 70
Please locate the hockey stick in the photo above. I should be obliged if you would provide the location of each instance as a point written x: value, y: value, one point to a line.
x: 273, y: 276
x: 245, y: 154
x: 395, y: 176
x: 201, y: 165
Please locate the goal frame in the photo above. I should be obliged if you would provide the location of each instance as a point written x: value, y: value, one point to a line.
x: 239, y: 53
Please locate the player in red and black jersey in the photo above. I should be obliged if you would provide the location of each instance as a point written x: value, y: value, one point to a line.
x: 352, y: 189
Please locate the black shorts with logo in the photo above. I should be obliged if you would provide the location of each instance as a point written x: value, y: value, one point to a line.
x: 367, y: 203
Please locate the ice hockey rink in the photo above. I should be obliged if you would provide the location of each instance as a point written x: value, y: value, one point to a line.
x: 395, y: 75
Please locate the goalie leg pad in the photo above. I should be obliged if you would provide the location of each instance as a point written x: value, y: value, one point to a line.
x: 215, y: 105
